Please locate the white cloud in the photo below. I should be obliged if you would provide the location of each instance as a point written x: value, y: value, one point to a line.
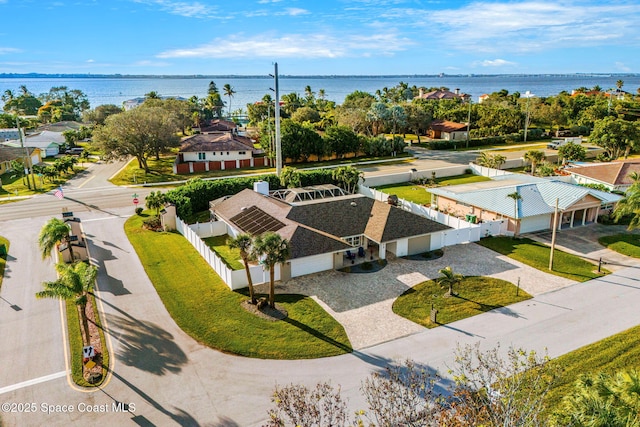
x: 494, y: 63
x: 268, y: 1
x: 6, y: 50
x: 294, y: 45
x: 294, y: 11
x: 147, y: 63
x: 531, y: 25
x: 621, y: 67
x: 91, y: 61
x: 186, y: 9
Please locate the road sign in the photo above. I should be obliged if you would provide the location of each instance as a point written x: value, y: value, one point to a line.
x: 88, y: 351
x: 136, y: 201
x: 135, y: 195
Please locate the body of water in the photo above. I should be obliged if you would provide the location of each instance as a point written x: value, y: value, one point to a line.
x: 249, y: 90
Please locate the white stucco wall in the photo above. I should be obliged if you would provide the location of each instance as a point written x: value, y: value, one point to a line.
x: 311, y: 264
x: 217, y: 156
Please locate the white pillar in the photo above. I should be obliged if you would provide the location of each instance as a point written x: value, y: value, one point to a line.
x: 573, y: 214
x: 382, y: 252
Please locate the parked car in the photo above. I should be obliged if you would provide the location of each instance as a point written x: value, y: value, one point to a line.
x: 76, y: 151
x: 557, y: 143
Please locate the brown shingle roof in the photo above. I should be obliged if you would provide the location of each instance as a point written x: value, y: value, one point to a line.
x: 614, y: 173
x: 447, y: 126
x: 8, y: 154
x: 216, y: 142
x: 219, y: 126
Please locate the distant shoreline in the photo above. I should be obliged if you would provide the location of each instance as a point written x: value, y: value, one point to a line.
x: 286, y: 76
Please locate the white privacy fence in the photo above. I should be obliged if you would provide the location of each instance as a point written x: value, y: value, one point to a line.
x: 462, y: 231
x: 235, y: 279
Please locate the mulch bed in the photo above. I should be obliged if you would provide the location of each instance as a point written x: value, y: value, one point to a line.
x: 266, y: 312
x: 94, y: 341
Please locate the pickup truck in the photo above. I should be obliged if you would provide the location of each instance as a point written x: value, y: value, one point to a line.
x: 557, y: 143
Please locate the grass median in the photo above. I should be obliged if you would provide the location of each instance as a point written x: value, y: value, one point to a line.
x: 473, y: 295
x: 536, y: 255
x: 204, y: 307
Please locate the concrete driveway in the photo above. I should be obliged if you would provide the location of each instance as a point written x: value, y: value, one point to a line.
x: 362, y: 302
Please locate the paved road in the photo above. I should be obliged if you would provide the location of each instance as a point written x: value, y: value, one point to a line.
x: 175, y: 381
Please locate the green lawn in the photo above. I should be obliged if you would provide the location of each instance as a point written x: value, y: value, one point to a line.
x: 474, y: 295
x: 3, y: 257
x: 11, y: 183
x: 220, y: 245
x: 612, y: 354
x: 536, y: 255
x: 204, y: 307
x: 420, y: 194
x: 626, y: 244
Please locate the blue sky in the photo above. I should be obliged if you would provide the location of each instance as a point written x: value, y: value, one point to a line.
x: 372, y: 37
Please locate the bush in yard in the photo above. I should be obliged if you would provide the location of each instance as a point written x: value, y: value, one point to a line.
x: 139, y: 211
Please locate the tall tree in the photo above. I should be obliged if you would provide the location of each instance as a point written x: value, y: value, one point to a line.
x: 516, y: 197
x: 140, y: 132
x: 535, y: 157
x: 228, y: 91
x: 75, y: 282
x: 244, y: 243
x: 54, y: 232
x: 616, y: 136
x: 272, y: 249
x: 572, y: 152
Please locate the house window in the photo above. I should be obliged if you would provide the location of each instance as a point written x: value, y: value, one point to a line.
x: 354, y: 241
x: 227, y: 153
x: 242, y: 152
x: 202, y: 156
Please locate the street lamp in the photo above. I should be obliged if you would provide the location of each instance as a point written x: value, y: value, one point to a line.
x: 527, y: 95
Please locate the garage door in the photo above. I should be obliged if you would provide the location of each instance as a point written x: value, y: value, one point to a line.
x: 418, y: 245
x: 535, y: 223
x: 311, y: 264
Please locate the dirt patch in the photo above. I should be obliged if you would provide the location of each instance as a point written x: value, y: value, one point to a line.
x: 266, y: 312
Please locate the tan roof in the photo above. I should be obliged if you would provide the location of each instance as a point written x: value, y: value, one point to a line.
x: 614, y: 173
x: 216, y: 142
x: 447, y: 126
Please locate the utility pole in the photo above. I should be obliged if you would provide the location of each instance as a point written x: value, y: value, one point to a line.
x: 277, y: 118
x: 27, y: 159
x: 553, y: 234
x: 469, y: 120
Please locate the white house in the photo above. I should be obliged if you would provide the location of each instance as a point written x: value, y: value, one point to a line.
x: 47, y: 141
x: 216, y: 151
x: 450, y: 131
x: 533, y: 210
x: 329, y: 231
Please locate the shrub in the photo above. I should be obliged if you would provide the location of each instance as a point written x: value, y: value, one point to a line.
x: 139, y: 211
x: 152, y: 223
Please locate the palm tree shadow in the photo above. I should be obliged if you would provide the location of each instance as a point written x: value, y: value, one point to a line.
x: 144, y: 345
x: 481, y: 306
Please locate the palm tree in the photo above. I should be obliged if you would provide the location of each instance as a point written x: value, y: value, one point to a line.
x: 619, y: 84
x: 75, y: 281
x: 449, y: 278
x: 244, y: 244
x: 273, y: 249
x: 348, y: 177
x: 535, y: 157
x: 155, y: 200
x: 515, y: 196
x: 152, y: 95
x: 55, y: 231
x: 629, y: 205
x: 228, y: 91
x: 8, y: 95
x: 498, y: 160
